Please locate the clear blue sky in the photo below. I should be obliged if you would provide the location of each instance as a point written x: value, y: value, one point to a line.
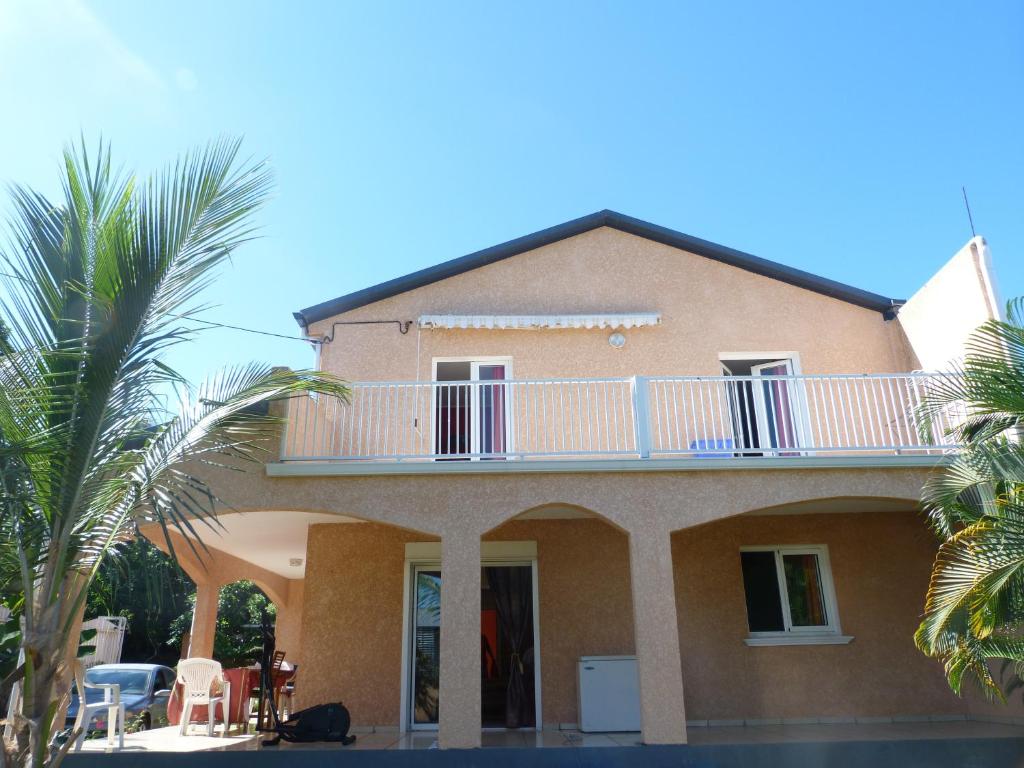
x: 833, y: 137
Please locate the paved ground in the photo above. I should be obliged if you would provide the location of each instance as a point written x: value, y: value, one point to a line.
x: 820, y: 744
x: 168, y: 740
x: 759, y: 734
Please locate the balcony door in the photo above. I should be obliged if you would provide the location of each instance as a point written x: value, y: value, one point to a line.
x: 471, y: 420
x: 768, y: 417
x: 776, y: 403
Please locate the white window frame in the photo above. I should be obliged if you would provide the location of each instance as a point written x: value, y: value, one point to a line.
x: 828, y: 634
x: 763, y: 404
x: 475, y: 362
x: 791, y: 355
x: 409, y: 623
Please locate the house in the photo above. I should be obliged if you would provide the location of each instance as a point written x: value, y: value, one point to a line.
x: 603, y: 439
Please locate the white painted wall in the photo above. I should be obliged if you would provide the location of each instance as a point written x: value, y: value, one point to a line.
x: 940, y: 317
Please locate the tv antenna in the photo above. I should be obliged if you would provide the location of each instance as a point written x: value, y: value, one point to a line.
x: 967, y: 205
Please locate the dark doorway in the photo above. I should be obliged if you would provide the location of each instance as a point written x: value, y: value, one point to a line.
x: 764, y: 412
x: 506, y: 647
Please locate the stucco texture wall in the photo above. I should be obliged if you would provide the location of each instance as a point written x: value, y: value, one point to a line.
x: 288, y: 626
x: 211, y: 569
x: 352, y: 620
x: 880, y: 564
x: 352, y: 625
x: 707, y: 308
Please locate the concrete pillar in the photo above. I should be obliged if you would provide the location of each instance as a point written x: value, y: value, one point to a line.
x: 663, y: 717
x: 204, y: 621
x: 288, y: 624
x: 459, y: 684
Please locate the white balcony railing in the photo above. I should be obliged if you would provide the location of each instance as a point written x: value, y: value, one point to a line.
x: 645, y: 417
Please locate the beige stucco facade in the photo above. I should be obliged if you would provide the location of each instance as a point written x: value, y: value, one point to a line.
x: 880, y: 564
x: 707, y: 308
x: 667, y: 539
x: 632, y: 558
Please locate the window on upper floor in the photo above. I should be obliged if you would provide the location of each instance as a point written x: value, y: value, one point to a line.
x: 789, y: 595
x: 766, y: 415
x: 471, y: 418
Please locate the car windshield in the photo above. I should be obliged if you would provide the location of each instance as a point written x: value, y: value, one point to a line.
x: 132, y: 681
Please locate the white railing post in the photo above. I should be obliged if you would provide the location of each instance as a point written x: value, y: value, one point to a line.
x: 640, y: 390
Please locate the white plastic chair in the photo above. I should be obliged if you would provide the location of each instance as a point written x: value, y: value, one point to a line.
x: 197, y: 678
x: 86, y: 712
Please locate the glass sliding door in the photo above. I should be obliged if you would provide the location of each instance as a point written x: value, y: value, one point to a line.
x: 508, y: 636
x: 426, y: 646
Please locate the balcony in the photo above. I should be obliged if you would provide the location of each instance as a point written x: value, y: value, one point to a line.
x: 700, y: 417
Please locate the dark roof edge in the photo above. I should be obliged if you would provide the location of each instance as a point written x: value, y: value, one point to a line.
x: 578, y: 226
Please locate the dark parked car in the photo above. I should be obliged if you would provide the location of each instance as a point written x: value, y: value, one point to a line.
x: 145, y: 689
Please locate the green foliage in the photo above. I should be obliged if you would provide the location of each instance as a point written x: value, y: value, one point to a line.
x: 974, y: 610
x: 10, y: 642
x: 141, y: 583
x: 98, y: 286
x: 240, y: 608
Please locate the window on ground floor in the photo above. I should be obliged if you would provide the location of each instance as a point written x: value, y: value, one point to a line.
x: 789, y: 592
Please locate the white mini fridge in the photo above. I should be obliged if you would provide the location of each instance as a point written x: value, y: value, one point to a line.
x: 609, y: 694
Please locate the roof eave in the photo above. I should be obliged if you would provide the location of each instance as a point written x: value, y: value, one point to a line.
x: 587, y: 223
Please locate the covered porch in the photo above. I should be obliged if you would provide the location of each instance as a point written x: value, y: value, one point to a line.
x: 369, y: 629
x: 602, y: 584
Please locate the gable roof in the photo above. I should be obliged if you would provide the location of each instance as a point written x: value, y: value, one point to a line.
x: 605, y: 218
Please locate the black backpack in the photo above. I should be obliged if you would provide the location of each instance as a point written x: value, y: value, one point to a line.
x: 324, y: 722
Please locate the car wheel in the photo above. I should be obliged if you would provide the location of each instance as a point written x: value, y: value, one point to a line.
x: 147, y: 721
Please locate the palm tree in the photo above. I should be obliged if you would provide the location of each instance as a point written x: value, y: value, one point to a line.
x: 974, y: 610
x: 98, y: 287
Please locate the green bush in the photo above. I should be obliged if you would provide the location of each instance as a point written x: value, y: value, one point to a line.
x: 240, y: 607
x: 138, y: 581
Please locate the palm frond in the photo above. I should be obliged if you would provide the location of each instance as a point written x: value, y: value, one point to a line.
x: 97, y: 284
x: 975, y: 602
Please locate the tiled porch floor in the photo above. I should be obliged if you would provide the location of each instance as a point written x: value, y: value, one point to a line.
x: 781, y: 734
x: 167, y: 739
x: 754, y: 734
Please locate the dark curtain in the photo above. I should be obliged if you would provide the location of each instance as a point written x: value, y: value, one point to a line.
x: 513, y: 597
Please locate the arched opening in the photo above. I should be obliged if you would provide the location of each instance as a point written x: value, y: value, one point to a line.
x: 563, y: 596
x: 237, y: 638
x: 335, y: 583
